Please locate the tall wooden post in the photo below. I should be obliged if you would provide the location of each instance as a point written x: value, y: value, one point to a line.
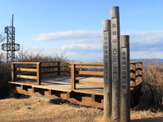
x: 125, y: 80
x: 115, y: 52
x: 107, y: 70
x: 116, y: 70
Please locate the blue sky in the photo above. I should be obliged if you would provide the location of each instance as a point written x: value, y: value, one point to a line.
x: 75, y: 26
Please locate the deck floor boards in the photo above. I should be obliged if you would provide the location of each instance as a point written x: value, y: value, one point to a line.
x: 63, y: 83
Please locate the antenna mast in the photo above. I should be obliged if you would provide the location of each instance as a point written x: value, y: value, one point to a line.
x: 10, y: 46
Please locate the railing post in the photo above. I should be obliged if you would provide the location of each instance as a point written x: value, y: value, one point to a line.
x: 73, y: 77
x: 59, y: 68
x: 13, y: 71
x: 38, y: 73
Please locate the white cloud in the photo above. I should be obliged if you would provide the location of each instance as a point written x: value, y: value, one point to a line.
x: 82, y: 46
x: 87, y: 45
x: 146, y: 37
x: 68, y: 36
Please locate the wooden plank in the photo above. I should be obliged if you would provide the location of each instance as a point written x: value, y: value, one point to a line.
x: 132, y: 75
x: 27, y: 77
x: 90, y: 91
x: 20, y: 83
x: 96, y: 63
x: 25, y: 62
x: 90, y: 73
x: 138, y: 81
x: 90, y: 82
x: 135, y: 62
x: 26, y: 69
x: 90, y: 67
x: 87, y: 63
x: 132, y: 85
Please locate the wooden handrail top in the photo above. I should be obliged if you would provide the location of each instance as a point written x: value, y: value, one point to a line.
x: 76, y: 63
x: 90, y: 73
x: 97, y: 63
x: 26, y: 62
x: 86, y: 63
x: 90, y: 67
x: 136, y: 62
x: 50, y: 62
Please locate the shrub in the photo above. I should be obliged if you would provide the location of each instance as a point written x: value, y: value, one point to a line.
x: 153, y: 85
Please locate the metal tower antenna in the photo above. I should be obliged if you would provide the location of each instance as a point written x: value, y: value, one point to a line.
x: 10, y: 46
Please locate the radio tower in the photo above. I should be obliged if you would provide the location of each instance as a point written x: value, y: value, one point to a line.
x: 10, y: 47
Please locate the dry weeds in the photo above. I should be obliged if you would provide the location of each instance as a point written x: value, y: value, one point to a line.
x: 42, y: 110
x: 153, y: 85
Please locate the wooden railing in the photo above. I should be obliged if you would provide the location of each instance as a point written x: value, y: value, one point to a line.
x: 96, y: 70
x: 26, y: 70
x: 50, y: 69
x: 136, y: 74
x: 33, y: 72
x: 85, y: 69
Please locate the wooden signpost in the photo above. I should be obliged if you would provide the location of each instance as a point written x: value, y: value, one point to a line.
x: 116, y: 70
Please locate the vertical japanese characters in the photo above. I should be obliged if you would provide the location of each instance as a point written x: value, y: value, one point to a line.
x: 116, y: 70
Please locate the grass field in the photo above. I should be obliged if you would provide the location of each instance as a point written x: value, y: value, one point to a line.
x: 44, y: 110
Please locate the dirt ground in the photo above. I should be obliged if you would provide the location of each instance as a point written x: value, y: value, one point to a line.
x: 45, y: 110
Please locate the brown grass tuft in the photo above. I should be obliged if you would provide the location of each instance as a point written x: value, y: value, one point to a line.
x: 152, y: 85
x: 36, y: 109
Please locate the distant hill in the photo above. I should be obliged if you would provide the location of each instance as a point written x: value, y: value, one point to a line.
x: 148, y: 60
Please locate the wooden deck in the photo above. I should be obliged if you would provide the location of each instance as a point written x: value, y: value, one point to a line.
x: 80, y: 83
x: 63, y: 83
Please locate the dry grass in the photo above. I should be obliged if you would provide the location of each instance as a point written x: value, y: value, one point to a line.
x: 146, y: 114
x: 42, y: 110
x: 152, y: 86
